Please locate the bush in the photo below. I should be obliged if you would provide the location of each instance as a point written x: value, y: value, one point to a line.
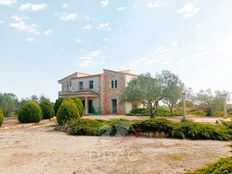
x: 100, y: 127
x: 197, y: 131
x: 79, y: 105
x: 161, y: 111
x: 1, y: 117
x: 154, y: 124
x: 120, y: 127
x: 85, y: 126
x: 196, y: 112
x: 67, y: 111
x: 47, y: 109
x: 30, y: 113
x: 139, y: 112
x: 223, y: 166
x: 57, y: 104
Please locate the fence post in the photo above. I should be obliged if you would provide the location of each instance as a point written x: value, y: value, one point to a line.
x: 184, y: 106
x: 225, y: 106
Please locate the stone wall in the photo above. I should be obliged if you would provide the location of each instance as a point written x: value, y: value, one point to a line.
x: 109, y: 93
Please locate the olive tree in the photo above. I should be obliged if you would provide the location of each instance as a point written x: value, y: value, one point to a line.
x: 146, y: 90
x: 172, y: 89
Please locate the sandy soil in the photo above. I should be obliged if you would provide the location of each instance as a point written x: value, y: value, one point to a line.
x: 41, y: 149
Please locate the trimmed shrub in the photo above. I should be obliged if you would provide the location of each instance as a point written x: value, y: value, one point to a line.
x: 161, y: 111
x: 197, y: 131
x: 47, y: 109
x: 196, y: 112
x: 79, y: 105
x: 57, y: 104
x: 85, y: 126
x: 120, y: 127
x: 30, y: 113
x: 139, y: 112
x: 154, y: 124
x: 1, y: 117
x: 100, y: 127
x: 67, y: 111
x: 223, y: 166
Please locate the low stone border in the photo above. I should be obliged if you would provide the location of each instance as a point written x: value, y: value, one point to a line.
x: 25, y: 125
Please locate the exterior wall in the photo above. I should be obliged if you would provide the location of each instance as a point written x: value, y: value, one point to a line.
x: 109, y: 93
x: 102, y: 86
x: 96, y: 84
x: 128, y: 107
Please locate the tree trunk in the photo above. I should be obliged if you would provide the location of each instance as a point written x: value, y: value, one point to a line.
x: 152, y: 113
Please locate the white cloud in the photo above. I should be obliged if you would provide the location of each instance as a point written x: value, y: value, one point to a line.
x: 106, y: 39
x: 87, y: 27
x: 156, y: 4
x: 1, y: 22
x: 189, y: 10
x: 77, y: 40
x: 104, y: 3
x: 65, y: 5
x: 7, y: 2
x: 20, y: 23
x: 69, y: 17
x: 47, y: 32
x: 32, y: 7
x: 104, y: 26
x: 91, y: 59
x: 30, y: 39
x: 121, y: 8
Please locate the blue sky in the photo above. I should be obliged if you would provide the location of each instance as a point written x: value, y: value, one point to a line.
x: 44, y: 41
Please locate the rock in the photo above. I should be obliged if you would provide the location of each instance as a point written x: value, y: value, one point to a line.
x: 162, y: 135
x: 156, y: 134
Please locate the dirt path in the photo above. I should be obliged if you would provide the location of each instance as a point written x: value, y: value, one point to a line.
x: 41, y: 149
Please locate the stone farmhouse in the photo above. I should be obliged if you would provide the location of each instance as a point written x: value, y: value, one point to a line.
x: 99, y: 92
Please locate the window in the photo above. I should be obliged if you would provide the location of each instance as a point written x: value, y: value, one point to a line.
x: 80, y: 85
x: 91, y: 84
x: 114, y: 84
x: 69, y: 86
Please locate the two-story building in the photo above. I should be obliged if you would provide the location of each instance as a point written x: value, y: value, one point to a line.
x: 99, y: 92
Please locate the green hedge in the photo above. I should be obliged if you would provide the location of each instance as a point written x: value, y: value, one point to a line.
x: 189, y: 130
x: 1, y: 117
x: 57, y: 104
x: 223, y: 166
x: 76, y: 100
x: 154, y: 124
x: 67, y: 111
x: 79, y: 105
x: 161, y: 111
x: 47, y: 109
x: 100, y: 127
x: 198, y: 131
x: 30, y: 113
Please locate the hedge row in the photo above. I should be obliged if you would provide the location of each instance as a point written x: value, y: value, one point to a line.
x: 100, y: 127
x: 164, y: 111
x: 33, y: 112
x: 223, y: 166
x: 161, y: 111
x: 189, y: 130
x: 30, y: 113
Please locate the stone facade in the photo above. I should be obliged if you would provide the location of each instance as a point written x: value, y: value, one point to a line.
x: 105, y: 93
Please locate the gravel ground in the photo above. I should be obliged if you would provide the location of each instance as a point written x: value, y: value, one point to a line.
x: 41, y: 149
